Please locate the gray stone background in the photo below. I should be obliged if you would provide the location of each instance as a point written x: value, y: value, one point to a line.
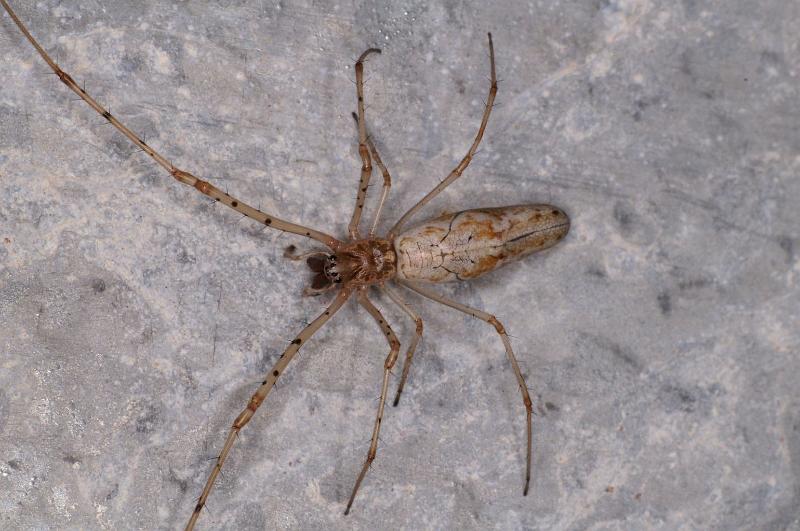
x: 661, y: 337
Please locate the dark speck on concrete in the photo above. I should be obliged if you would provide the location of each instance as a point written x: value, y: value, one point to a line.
x: 99, y: 285
x: 664, y: 302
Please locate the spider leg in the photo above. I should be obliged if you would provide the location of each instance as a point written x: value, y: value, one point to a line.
x: 458, y: 170
x: 387, y: 180
x: 261, y: 393
x: 394, y: 348
x: 363, y: 150
x: 413, y: 346
x: 180, y: 175
x: 387, y: 183
x: 492, y: 320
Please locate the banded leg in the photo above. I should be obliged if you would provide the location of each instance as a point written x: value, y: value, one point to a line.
x: 394, y: 348
x: 413, y: 346
x: 492, y: 320
x: 180, y: 175
x: 261, y: 393
x: 387, y: 180
x: 363, y: 150
x: 458, y: 170
x: 387, y: 184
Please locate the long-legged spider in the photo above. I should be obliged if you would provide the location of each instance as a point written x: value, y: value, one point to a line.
x: 451, y: 247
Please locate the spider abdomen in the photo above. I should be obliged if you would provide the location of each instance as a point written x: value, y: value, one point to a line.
x: 469, y: 243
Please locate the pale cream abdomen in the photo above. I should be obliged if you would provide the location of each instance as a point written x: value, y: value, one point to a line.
x: 469, y: 243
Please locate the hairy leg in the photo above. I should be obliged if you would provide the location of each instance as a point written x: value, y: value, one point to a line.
x: 492, y: 320
x: 394, y: 348
x: 363, y: 150
x: 413, y: 346
x: 387, y: 179
x: 180, y: 175
x: 387, y: 183
x: 261, y: 393
x: 458, y: 170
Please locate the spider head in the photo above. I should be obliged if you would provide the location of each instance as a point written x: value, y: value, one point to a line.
x: 357, y: 263
x: 324, y: 266
x: 327, y: 275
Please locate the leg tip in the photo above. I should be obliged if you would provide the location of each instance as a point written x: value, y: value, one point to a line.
x: 366, y: 53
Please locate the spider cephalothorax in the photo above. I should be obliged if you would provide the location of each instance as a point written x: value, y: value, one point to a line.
x: 364, y: 262
x: 354, y: 263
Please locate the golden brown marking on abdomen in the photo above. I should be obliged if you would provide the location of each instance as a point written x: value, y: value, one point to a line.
x: 470, y: 243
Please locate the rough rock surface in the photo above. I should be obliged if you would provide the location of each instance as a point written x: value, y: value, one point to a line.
x: 661, y: 336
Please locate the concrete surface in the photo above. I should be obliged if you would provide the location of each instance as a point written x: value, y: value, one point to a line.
x: 661, y: 335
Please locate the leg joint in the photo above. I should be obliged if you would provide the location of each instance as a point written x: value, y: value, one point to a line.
x: 184, y: 176
x: 527, y: 400
x: 497, y: 325
x: 392, y: 358
x: 243, y: 418
x: 363, y: 151
x: 66, y: 78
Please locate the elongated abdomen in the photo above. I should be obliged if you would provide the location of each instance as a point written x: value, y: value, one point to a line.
x: 469, y: 243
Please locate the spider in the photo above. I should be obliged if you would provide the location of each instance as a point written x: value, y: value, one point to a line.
x: 452, y: 247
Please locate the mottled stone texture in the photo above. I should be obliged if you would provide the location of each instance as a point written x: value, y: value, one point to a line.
x: 660, y: 337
